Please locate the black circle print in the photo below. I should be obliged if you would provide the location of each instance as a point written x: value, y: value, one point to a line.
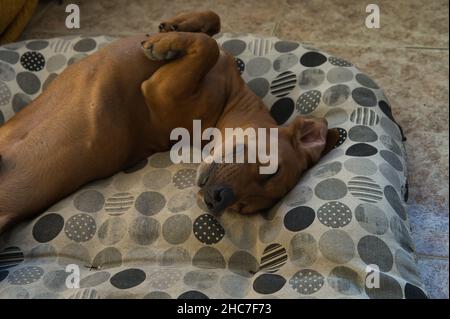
x: 361, y: 150
x: 192, y: 294
x: 128, y: 278
x: 3, y: 275
x: 386, y: 108
x: 388, y: 288
x: 32, y: 61
x: 299, y: 218
x: 9, y: 56
x: 286, y: 46
x: 364, y: 97
x: 362, y: 133
x: 37, y: 45
x: 84, y: 45
x: 28, y: 82
x: 282, y: 110
x: 374, y: 251
x: 394, y: 200
x: 240, y: 65
x: 48, y: 227
x: 413, y: 292
x: 268, y: 283
x: 234, y: 47
x: 312, y: 59
x: 208, y: 230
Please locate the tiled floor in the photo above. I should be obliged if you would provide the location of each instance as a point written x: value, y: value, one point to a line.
x: 408, y: 56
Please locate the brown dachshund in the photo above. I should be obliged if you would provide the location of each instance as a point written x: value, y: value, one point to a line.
x: 119, y: 106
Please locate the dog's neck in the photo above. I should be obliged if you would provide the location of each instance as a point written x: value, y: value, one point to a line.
x: 245, y: 110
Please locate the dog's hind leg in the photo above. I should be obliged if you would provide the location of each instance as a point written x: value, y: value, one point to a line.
x: 197, y: 21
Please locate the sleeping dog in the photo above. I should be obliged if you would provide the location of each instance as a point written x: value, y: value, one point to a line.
x: 119, y: 106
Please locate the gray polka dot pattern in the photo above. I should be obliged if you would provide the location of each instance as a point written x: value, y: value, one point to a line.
x: 143, y: 233
x: 308, y: 101
x: 208, y: 230
x: 80, y: 228
x: 5, y: 94
x: 307, y: 281
x: 334, y: 214
x: 25, y: 275
x: 184, y: 178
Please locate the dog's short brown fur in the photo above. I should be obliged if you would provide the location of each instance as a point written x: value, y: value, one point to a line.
x: 119, y: 105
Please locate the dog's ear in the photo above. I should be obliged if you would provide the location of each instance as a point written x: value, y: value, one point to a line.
x: 309, y: 135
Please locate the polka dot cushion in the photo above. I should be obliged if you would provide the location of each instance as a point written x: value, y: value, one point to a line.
x: 341, y: 232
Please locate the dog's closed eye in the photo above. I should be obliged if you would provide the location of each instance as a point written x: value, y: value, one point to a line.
x: 267, y: 177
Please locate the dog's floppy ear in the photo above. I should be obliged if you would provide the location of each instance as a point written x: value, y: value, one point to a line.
x: 309, y: 135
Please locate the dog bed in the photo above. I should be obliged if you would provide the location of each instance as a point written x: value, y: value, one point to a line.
x: 143, y: 234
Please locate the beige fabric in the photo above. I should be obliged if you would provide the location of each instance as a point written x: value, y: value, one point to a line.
x: 142, y: 233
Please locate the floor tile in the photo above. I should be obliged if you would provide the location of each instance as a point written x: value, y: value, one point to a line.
x: 429, y: 226
x: 402, y: 23
x: 112, y: 17
x: 428, y: 171
x: 435, y: 276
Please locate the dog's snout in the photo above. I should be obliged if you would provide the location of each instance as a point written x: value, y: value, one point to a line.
x: 218, y: 197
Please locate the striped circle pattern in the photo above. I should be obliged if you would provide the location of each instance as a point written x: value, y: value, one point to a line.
x: 273, y: 258
x: 364, y: 116
x: 10, y: 257
x: 365, y: 189
x: 260, y: 46
x: 119, y: 203
x: 283, y: 84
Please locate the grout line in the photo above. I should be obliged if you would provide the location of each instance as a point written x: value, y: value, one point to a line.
x: 426, y: 48
x: 364, y: 45
x: 278, y: 18
x: 431, y: 257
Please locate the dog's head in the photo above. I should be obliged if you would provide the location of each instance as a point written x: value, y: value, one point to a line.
x: 241, y: 186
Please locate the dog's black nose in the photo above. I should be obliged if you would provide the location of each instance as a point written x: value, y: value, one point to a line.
x: 218, y: 197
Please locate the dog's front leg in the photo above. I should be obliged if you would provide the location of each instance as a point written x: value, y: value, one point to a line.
x: 192, y: 56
